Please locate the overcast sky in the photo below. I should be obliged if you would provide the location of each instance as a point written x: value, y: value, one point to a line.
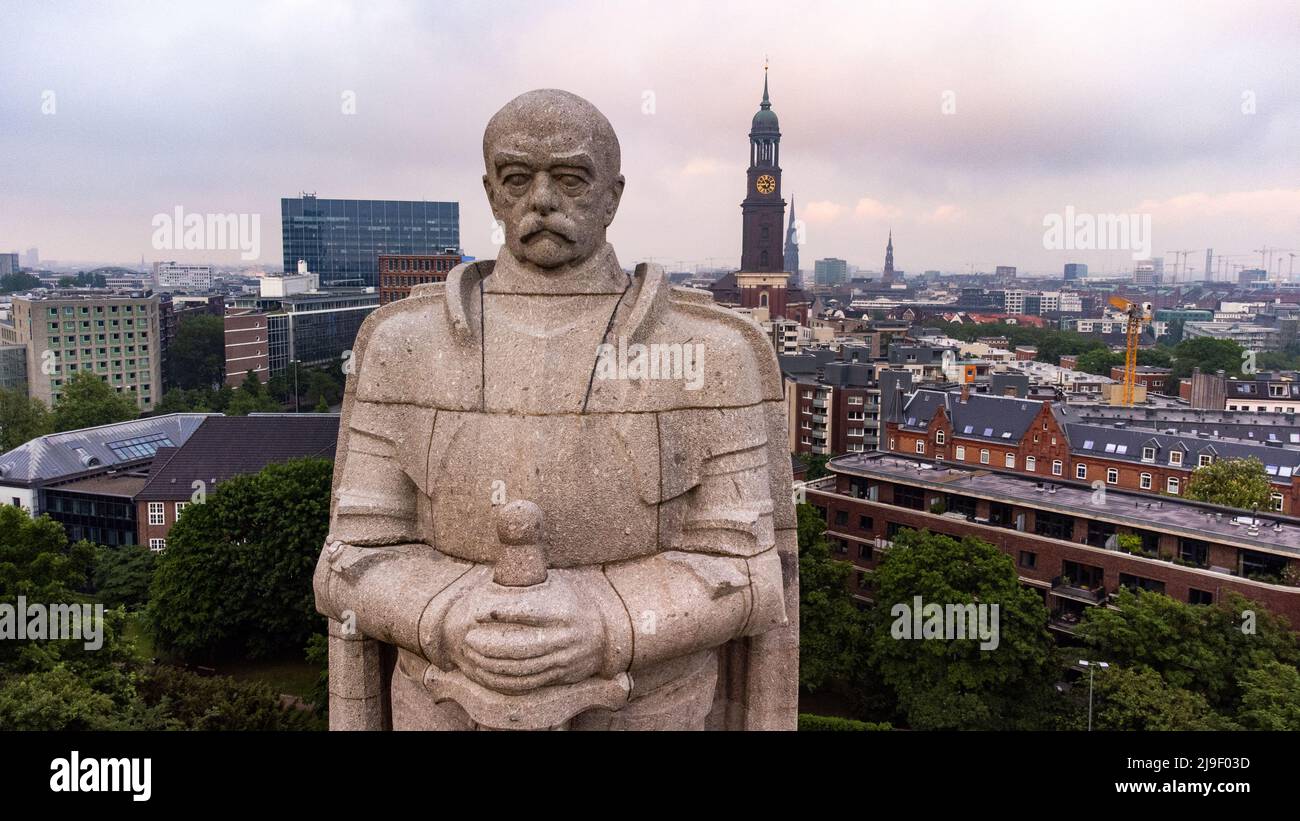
x: 1123, y: 107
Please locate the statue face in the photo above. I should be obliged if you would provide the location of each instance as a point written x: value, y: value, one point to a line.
x: 552, y: 178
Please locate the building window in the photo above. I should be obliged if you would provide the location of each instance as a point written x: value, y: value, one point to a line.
x: 1081, y: 471
x: 1144, y: 481
x: 961, y: 453
x: 939, y: 437
x: 1031, y: 463
x: 841, y: 517
x: 1205, y: 459
x: 1175, y: 457
x: 864, y: 523
x: 920, y: 446
x: 179, y: 507
x: 1112, y: 476
x: 1057, y: 467
x: 1028, y: 559
x: 156, y: 514
x: 1172, y: 485
x: 1148, y: 454
x: 157, y: 545
x: 984, y: 456
x: 1195, y: 596
x: 1011, y: 461
x: 1275, y: 501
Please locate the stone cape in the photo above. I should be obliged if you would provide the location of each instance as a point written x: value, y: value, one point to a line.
x: 394, y: 396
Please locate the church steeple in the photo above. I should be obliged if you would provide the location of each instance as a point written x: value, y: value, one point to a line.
x: 763, y: 209
x: 888, y: 275
x: 792, y: 248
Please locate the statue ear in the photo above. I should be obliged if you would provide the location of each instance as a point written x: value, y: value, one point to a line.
x: 616, y: 195
x: 492, y: 200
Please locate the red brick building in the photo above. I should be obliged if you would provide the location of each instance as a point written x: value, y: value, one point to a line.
x: 1064, y: 538
x: 247, y: 346
x: 1035, y: 438
x: 399, y: 273
x: 1155, y: 380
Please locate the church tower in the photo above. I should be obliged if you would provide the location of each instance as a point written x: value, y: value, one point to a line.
x: 888, y: 275
x: 763, y: 210
x: 792, y: 249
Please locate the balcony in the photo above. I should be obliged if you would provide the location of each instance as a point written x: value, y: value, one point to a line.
x: 820, y: 403
x: 1066, y: 588
x: 820, y: 450
x: 819, y: 434
x: 819, y: 418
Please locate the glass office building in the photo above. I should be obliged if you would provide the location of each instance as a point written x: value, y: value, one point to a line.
x: 341, y: 240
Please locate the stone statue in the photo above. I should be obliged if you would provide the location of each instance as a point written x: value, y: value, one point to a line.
x: 562, y: 497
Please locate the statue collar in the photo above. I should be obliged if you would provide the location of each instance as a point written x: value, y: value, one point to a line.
x: 599, y: 274
x: 641, y: 300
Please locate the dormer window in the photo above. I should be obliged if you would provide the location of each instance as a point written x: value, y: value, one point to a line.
x: 1206, y: 459
x: 1148, y: 454
x: 1175, y: 457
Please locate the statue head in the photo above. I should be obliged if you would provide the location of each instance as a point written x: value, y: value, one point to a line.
x: 552, y: 177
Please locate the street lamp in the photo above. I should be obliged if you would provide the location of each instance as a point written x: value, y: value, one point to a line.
x: 295, y: 387
x: 1090, y: 665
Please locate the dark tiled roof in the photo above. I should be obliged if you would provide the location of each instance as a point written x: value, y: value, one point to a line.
x: 1126, y: 444
x: 226, y: 446
x: 991, y: 418
x: 56, y: 455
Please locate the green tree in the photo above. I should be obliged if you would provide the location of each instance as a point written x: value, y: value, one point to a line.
x: 321, y: 406
x: 235, y: 579
x: 1210, y: 355
x: 85, y: 400
x: 1192, y: 647
x: 122, y: 575
x: 944, y: 684
x: 1139, y: 699
x: 1174, y: 331
x: 1100, y: 361
x: 252, y: 397
x: 22, y: 419
x: 1270, y: 698
x: 12, y: 283
x: 830, y: 625
x: 1240, y: 483
x: 196, y: 358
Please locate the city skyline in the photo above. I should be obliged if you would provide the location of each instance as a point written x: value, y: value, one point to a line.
x: 1047, y: 110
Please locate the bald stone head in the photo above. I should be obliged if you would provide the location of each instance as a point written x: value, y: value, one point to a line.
x: 552, y: 177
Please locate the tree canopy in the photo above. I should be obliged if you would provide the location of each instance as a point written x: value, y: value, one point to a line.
x: 22, y: 419
x: 85, y: 400
x: 196, y: 358
x: 1240, y: 483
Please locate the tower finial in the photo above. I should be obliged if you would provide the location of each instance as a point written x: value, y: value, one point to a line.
x: 766, y: 102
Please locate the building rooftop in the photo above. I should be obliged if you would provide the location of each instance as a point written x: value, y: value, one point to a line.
x: 57, y: 455
x: 227, y: 446
x: 1273, y: 533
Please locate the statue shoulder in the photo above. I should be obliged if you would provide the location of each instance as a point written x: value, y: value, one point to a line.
x: 674, y: 348
x: 417, y: 351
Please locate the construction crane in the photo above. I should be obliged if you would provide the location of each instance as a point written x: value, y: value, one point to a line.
x: 1133, y: 332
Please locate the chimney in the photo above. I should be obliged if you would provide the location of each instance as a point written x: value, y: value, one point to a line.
x: 965, y: 392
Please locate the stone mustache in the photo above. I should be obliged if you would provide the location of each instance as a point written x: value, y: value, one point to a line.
x: 516, y: 544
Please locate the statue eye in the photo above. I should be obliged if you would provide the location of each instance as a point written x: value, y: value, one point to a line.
x: 516, y: 180
x: 572, y: 183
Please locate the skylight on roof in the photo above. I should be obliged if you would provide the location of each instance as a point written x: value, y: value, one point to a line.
x: 1284, y: 471
x: 1006, y: 434
x: 1110, y: 447
x: 911, y: 421
x: 968, y: 429
x: 1272, y: 470
x: 1087, y: 444
x: 140, y: 447
x: 988, y: 431
x: 1121, y: 449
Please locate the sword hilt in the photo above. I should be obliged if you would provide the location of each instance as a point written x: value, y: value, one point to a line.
x: 523, y: 555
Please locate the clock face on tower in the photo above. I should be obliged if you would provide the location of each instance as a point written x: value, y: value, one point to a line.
x: 765, y: 184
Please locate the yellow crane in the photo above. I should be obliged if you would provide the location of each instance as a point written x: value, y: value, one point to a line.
x: 1133, y: 332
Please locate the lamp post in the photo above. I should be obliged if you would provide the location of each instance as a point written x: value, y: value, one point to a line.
x: 295, y: 387
x: 1091, y: 665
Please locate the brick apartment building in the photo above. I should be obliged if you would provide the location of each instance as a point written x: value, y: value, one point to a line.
x: 1154, y: 379
x: 1062, y: 535
x: 220, y: 448
x: 399, y: 273
x: 1035, y: 438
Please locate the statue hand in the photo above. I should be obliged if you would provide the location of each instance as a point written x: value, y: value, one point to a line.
x: 516, y: 639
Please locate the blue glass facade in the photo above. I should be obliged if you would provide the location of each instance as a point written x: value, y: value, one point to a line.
x: 341, y: 240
